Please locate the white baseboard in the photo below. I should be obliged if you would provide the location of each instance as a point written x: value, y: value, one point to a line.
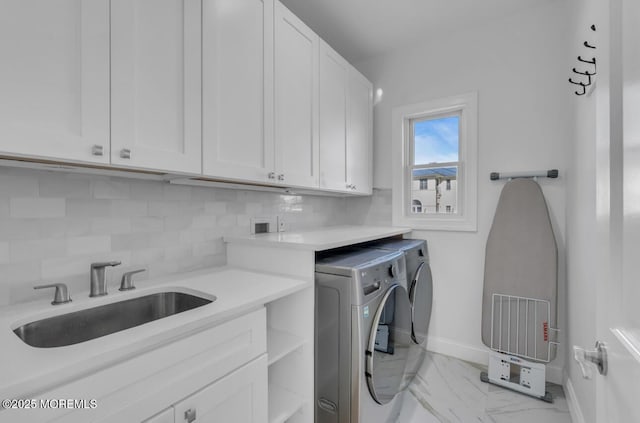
x: 572, y: 401
x: 479, y: 355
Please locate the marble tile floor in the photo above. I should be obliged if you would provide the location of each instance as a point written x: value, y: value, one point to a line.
x: 447, y: 390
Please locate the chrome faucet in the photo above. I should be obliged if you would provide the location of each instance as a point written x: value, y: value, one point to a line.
x: 98, y: 279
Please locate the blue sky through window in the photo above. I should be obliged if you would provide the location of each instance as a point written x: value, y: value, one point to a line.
x: 436, y: 140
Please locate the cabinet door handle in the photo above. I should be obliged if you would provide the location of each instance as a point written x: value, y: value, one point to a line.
x: 125, y: 153
x: 271, y: 175
x: 96, y: 150
x: 281, y: 177
x: 190, y: 415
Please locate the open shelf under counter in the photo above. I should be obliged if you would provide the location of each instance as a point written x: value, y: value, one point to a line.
x: 281, y: 343
x: 282, y: 404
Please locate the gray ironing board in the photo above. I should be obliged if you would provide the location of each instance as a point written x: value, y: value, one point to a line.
x: 521, y: 260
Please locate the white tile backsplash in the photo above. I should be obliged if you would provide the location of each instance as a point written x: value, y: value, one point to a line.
x: 54, y: 224
x: 37, y: 207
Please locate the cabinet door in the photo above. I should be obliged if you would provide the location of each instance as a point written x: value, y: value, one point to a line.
x: 333, y: 119
x: 54, y: 79
x: 296, y: 100
x: 239, y: 397
x: 237, y: 87
x: 360, y: 133
x: 156, y: 84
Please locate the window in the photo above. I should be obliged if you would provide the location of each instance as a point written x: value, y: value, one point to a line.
x: 436, y: 141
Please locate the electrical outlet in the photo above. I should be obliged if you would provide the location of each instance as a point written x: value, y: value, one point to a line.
x: 282, y: 226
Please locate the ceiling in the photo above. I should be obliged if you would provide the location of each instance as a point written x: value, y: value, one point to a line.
x: 360, y: 29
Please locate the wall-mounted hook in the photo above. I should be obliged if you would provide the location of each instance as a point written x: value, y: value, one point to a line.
x: 592, y: 61
x: 582, y: 84
x: 585, y: 73
x: 586, y: 44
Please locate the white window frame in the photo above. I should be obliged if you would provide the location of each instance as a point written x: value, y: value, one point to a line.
x: 466, y: 219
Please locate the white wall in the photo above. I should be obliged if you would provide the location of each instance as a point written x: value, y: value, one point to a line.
x: 518, y: 65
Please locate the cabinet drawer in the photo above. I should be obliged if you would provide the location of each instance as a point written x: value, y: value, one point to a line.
x: 238, y: 397
x: 146, y: 384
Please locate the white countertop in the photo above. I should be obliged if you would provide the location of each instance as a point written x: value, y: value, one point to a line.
x: 27, y: 371
x: 320, y: 239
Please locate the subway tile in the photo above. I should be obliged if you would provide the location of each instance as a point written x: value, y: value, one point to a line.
x: 177, y: 223
x: 215, y: 207
x: 4, y: 252
x: 20, y: 272
x: 66, y: 187
x: 178, y: 252
x: 4, y: 207
x: 144, y: 190
x: 204, y: 222
x: 147, y: 224
x: 130, y: 208
x: 130, y: 241
x: 236, y: 207
x: 176, y: 192
x: 89, y: 245
x: 16, y: 229
x: 110, y: 225
x: 202, y: 194
x: 18, y: 185
x: 90, y: 208
x: 32, y: 250
x: 111, y: 189
x: 62, y: 228
x: 145, y: 256
x: 227, y: 220
x: 31, y: 207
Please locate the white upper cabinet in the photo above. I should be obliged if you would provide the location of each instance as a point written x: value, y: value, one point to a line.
x: 345, y: 125
x: 296, y: 101
x: 333, y: 119
x: 54, y: 79
x: 156, y: 84
x: 359, y: 133
x: 237, y: 88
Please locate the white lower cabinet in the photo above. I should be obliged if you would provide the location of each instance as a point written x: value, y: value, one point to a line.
x: 238, y: 397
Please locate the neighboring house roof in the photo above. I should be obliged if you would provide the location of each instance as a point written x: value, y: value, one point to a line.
x: 443, y: 172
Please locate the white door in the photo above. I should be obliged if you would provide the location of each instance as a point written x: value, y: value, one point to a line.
x: 239, y: 397
x: 237, y: 77
x: 360, y: 133
x: 333, y: 119
x: 156, y: 84
x: 296, y: 100
x: 54, y: 79
x: 618, y: 310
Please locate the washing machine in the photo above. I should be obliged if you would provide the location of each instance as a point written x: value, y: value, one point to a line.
x: 420, y: 288
x: 362, y: 335
x: 419, y: 280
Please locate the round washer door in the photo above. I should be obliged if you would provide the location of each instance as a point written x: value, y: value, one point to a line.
x: 388, y: 346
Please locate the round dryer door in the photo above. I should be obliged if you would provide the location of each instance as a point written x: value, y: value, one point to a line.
x: 388, y: 346
x: 421, y: 299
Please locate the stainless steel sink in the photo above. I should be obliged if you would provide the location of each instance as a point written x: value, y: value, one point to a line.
x: 84, y: 325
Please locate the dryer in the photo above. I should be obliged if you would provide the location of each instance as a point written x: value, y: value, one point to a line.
x: 420, y: 288
x: 363, y: 335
